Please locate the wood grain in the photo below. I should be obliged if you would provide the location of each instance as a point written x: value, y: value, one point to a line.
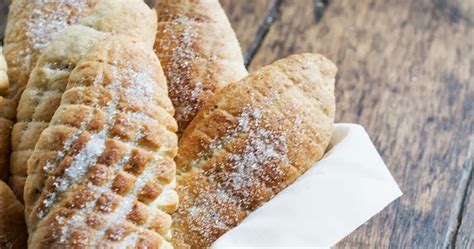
x: 406, y: 74
x: 465, y: 233
x: 250, y: 20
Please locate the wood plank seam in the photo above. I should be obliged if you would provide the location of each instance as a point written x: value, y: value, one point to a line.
x: 270, y: 18
x: 463, y: 192
x: 319, y: 8
x: 262, y: 31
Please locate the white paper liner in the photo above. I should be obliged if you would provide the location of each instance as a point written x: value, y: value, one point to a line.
x: 341, y: 192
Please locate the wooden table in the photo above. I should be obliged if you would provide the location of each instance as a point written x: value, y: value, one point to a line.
x: 406, y: 73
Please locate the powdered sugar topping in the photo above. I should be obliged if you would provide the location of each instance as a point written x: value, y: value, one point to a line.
x: 184, y: 89
x: 134, y: 86
x: 244, y: 170
x: 47, y: 22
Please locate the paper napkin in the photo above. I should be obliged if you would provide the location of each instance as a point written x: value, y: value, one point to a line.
x: 339, y: 193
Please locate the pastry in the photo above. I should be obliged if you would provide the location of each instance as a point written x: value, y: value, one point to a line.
x: 12, y: 223
x: 241, y: 151
x: 48, y: 79
x: 199, y: 53
x: 30, y: 28
x: 3, y: 72
x: 5, y: 125
x: 42, y: 96
x: 102, y: 174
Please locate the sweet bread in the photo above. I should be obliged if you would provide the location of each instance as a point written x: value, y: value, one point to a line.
x: 241, y: 151
x: 30, y: 28
x: 199, y: 53
x: 3, y: 72
x: 49, y: 78
x: 12, y: 223
x: 102, y: 174
x: 5, y: 125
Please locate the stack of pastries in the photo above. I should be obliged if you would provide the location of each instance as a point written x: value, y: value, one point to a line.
x: 127, y: 127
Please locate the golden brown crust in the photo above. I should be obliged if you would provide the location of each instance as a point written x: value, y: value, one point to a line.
x: 12, y: 221
x: 5, y: 124
x: 3, y: 72
x: 199, y: 53
x: 102, y: 173
x: 49, y: 78
x: 30, y: 28
x: 250, y: 141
